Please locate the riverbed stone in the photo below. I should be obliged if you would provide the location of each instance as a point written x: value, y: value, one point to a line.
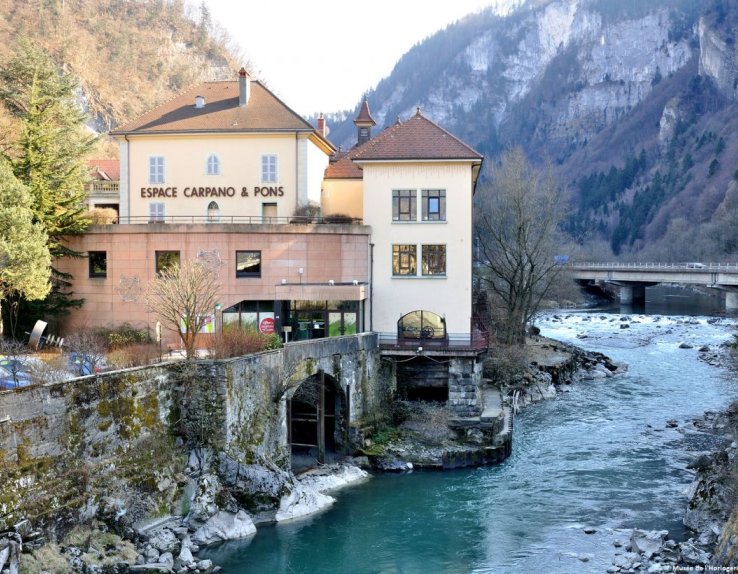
x: 647, y: 542
x: 225, y: 526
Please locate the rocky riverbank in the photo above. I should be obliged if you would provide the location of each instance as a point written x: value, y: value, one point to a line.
x: 215, y: 513
x: 422, y: 438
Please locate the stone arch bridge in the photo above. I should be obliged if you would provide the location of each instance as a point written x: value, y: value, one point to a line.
x: 308, y: 395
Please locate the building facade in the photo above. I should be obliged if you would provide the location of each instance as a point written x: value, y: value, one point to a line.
x: 306, y: 240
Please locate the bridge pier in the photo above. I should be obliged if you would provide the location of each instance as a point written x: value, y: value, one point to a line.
x: 731, y: 301
x: 630, y: 294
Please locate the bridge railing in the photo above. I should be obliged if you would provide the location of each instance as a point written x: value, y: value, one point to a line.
x: 726, y: 267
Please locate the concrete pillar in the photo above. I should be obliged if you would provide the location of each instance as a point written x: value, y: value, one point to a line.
x: 731, y: 301
x: 630, y: 294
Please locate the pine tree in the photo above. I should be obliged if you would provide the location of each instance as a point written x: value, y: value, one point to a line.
x: 50, y: 154
x: 25, y: 263
x: 49, y: 157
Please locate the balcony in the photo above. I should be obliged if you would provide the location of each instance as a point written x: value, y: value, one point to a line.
x: 239, y: 219
x: 474, y: 342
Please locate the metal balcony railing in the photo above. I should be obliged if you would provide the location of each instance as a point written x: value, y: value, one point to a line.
x: 239, y: 219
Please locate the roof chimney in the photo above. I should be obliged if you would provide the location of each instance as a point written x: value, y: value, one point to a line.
x: 244, y: 87
x: 199, y: 102
x: 321, y: 125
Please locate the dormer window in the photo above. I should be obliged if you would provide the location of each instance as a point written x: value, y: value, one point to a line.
x: 213, y: 165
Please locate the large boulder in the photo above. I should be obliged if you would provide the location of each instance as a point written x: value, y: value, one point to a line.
x: 647, y: 542
x: 301, y: 501
x: 225, y: 526
x: 256, y: 487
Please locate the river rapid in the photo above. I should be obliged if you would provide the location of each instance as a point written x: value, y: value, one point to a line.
x: 603, y: 455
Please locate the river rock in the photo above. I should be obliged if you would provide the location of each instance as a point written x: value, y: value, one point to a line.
x: 167, y: 558
x: 626, y: 561
x: 693, y: 555
x: 331, y: 477
x: 185, y: 556
x: 686, y: 345
x: 256, y: 486
x: 225, y: 526
x: 164, y: 540
x: 647, y: 542
x: 301, y: 501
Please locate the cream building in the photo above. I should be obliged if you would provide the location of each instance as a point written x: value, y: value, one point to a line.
x: 416, y: 185
x: 221, y: 152
x: 303, y: 236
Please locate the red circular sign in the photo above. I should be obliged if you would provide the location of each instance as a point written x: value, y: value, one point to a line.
x: 267, y: 325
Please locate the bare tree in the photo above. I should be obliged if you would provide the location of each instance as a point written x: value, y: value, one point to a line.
x: 516, y: 229
x: 184, y: 296
x: 86, y: 351
x: 14, y: 359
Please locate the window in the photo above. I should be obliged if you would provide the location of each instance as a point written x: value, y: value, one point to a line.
x: 98, y: 263
x: 269, y: 169
x: 213, y: 212
x: 434, y: 259
x: 156, y: 169
x: 268, y: 212
x: 248, y: 263
x: 166, y: 260
x: 156, y: 212
x: 403, y: 205
x: 213, y: 167
x: 403, y: 260
x: 434, y: 204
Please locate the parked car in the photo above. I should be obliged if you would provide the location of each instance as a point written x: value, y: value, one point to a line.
x: 10, y: 380
x: 82, y: 364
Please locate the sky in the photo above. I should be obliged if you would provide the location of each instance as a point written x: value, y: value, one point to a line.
x: 322, y: 55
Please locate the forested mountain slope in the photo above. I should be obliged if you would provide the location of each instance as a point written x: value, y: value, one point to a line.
x: 129, y: 54
x: 634, y: 102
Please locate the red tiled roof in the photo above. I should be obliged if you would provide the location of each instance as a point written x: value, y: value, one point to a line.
x: 342, y: 166
x: 104, y: 169
x: 364, y: 116
x: 415, y: 139
x: 221, y: 113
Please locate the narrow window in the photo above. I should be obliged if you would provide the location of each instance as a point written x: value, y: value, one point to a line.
x: 268, y: 212
x: 213, y: 167
x: 434, y: 204
x: 269, y: 168
x: 403, y: 260
x: 213, y: 212
x: 434, y: 260
x: 98, y: 261
x: 156, y: 169
x: 156, y: 212
x: 166, y: 260
x: 404, y: 205
x: 248, y: 263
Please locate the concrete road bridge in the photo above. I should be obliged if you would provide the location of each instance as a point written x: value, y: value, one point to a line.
x: 633, y: 278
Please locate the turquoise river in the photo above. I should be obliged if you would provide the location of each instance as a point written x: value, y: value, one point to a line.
x: 600, y: 455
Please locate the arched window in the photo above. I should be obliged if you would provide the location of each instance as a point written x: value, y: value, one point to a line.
x: 213, y: 212
x: 421, y: 325
x: 213, y: 167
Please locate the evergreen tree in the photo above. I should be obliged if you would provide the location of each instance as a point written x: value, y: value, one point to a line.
x: 25, y: 263
x: 50, y: 154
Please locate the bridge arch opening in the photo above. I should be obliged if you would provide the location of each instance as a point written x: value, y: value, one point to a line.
x: 317, y: 421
